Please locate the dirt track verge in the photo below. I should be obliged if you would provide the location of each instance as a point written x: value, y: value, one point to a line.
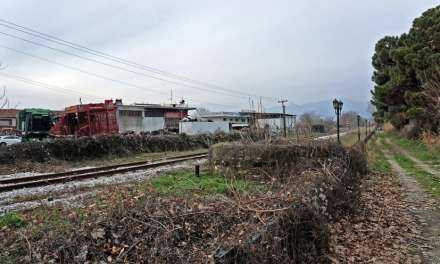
x: 424, y: 208
x: 419, y: 163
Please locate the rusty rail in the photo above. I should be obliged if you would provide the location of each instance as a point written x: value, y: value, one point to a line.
x: 63, y: 177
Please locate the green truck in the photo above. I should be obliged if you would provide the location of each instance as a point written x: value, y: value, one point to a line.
x: 35, y: 123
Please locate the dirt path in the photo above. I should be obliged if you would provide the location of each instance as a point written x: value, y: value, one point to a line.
x: 424, y: 166
x: 423, y: 207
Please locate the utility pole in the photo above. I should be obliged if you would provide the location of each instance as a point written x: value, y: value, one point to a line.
x: 171, y: 97
x: 294, y: 127
x: 282, y: 102
x: 359, y: 127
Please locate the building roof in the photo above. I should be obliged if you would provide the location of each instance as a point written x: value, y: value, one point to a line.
x: 9, y: 112
x: 222, y: 114
x: 265, y: 114
x: 37, y: 111
x: 165, y: 107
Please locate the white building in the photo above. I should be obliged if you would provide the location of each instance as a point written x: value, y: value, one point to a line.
x: 150, y: 117
x: 201, y: 127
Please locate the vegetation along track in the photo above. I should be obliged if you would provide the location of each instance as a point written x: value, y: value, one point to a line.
x: 62, y: 177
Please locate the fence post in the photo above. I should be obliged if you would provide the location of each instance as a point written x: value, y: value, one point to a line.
x: 197, y: 170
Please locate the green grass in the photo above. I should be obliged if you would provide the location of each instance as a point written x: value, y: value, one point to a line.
x: 6, y: 259
x: 12, y: 220
x: 51, y: 218
x: 186, y: 182
x: 376, y: 158
x: 427, y: 180
x: 418, y: 149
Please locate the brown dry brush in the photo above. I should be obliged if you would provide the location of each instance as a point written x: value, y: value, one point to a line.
x: 286, y: 224
x: 300, y: 234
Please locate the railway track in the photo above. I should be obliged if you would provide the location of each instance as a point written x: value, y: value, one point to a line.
x: 68, y: 176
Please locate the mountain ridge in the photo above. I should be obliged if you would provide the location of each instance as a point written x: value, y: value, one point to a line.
x: 324, y: 108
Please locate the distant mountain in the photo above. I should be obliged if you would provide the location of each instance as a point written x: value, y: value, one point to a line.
x: 325, y: 108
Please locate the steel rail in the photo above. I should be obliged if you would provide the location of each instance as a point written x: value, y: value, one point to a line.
x: 63, y: 177
x: 73, y: 172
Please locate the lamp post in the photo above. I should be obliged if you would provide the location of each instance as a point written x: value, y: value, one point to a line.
x: 337, y: 105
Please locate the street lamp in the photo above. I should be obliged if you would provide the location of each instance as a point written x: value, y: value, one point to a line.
x: 337, y: 105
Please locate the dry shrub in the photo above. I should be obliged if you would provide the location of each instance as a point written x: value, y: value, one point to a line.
x: 112, y: 145
x: 286, y: 224
x: 431, y: 140
x: 270, y: 159
x: 327, y: 188
x: 299, y: 235
x: 388, y: 127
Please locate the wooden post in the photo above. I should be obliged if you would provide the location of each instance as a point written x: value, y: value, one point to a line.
x: 197, y: 170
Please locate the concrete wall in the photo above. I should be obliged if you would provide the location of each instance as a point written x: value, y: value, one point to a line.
x: 276, y: 124
x: 138, y: 124
x: 230, y: 119
x: 130, y: 124
x: 193, y: 128
x: 150, y: 124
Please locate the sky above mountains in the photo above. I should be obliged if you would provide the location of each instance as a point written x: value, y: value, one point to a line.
x: 305, y: 51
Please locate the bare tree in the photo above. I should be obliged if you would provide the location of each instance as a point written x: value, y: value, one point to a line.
x: 4, y: 101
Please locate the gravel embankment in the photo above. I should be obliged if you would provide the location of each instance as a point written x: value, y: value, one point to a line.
x: 71, y: 193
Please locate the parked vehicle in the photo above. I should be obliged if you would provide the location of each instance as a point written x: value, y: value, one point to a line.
x: 9, y: 140
x: 35, y: 123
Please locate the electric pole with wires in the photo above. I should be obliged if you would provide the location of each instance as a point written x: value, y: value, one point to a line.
x: 283, y: 104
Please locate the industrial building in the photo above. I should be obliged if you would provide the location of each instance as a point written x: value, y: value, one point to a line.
x: 271, y: 121
x: 8, y: 120
x: 150, y: 117
x: 87, y: 120
x: 229, y: 121
x: 115, y: 117
x: 191, y: 127
x: 237, y: 120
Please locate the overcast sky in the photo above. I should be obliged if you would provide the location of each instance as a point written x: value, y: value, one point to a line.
x: 304, y: 50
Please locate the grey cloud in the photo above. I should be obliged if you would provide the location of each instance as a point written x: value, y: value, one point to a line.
x: 303, y: 50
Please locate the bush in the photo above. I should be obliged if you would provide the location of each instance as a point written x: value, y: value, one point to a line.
x: 103, y: 146
x: 271, y: 159
x: 11, y: 220
x: 431, y: 140
x: 326, y: 176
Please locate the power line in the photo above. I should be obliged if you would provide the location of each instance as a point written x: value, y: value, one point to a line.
x: 84, y: 71
x: 82, y: 48
x: 117, y: 67
x: 67, y: 91
x: 58, y: 89
x: 91, y: 73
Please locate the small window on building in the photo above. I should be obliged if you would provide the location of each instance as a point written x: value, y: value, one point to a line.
x: 130, y: 113
x: 5, y: 122
x: 154, y: 113
x: 243, y: 120
x: 224, y: 119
